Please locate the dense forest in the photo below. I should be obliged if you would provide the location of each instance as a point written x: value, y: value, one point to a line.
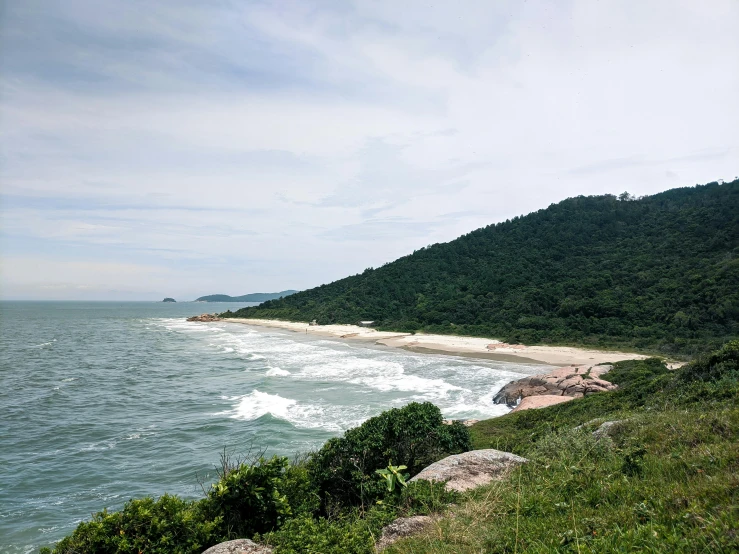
x: 658, y: 273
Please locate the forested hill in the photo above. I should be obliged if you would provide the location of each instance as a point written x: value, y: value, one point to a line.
x: 658, y: 273
x: 253, y: 297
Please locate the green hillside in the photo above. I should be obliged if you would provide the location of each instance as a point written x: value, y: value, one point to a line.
x: 253, y: 297
x: 659, y: 273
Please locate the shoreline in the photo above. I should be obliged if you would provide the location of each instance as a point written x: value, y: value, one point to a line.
x: 452, y: 345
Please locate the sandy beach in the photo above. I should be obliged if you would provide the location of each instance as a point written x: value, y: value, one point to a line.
x: 476, y: 347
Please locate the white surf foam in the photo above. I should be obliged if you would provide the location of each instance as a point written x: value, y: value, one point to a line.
x: 277, y: 372
x: 257, y: 404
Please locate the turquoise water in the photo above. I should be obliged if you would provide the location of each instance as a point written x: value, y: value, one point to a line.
x: 105, y: 401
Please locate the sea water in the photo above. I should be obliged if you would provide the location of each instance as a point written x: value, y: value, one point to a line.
x: 101, y: 402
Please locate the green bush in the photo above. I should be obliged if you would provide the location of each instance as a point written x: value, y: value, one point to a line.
x: 168, y: 524
x: 248, y: 498
x: 343, y: 470
x: 718, y: 365
x: 352, y: 533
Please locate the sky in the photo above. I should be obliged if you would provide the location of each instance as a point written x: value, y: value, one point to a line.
x: 181, y: 148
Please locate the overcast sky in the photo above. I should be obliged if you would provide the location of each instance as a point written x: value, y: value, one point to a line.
x: 181, y: 148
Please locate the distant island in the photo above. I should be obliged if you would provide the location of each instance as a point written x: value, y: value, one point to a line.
x: 253, y: 297
x: 169, y: 300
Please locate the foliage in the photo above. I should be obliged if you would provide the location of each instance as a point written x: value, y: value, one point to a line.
x: 722, y: 364
x: 665, y: 480
x: 659, y: 273
x: 680, y: 494
x: 168, y: 524
x: 248, y: 498
x: 343, y: 470
x: 352, y: 533
x: 392, y: 476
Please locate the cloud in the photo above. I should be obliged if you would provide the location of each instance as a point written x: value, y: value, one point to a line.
x: 273, y: 145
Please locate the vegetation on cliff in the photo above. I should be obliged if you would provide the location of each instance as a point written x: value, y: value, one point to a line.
x: 659, y: 273
x: 328, y: 500
x: 663, y: 479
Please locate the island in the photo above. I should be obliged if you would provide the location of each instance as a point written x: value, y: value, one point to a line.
x: 253, y: 297
x: 169, y: 300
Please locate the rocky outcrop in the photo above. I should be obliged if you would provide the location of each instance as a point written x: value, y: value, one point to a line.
x: 465, y: 422
x: 401, y: 528
x: 239, y: 546
x: 573, y: 381
x: 204, y: 318
x: 534, y: 402
x: 472, y: 469
x: 608, y: 428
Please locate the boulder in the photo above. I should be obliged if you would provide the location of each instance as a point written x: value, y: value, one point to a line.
x: 401, y: 528
x: 608, y: 428
x: 239, y: 546
x: 534, y: 402
x: 572, y: 381
x: 465, y: 422
x: 204, y: 318
x: 471, y: 469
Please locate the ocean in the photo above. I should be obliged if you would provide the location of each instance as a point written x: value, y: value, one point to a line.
x: 101, y: 402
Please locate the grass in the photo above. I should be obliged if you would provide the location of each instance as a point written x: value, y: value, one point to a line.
x: 666, y: 480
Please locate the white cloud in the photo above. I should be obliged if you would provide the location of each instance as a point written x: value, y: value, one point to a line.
x: 275, y: 145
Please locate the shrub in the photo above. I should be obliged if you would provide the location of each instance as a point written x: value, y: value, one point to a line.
x: 248, y: 498
x: 718, y: 365
x: 349, y: 534
x: 415, y: 436
x: 168, y: 524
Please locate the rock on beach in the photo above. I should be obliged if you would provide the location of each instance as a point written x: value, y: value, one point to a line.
x: 568, y: 382
x: 204, y: 318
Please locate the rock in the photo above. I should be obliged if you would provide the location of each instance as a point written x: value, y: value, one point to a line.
x: 204, y: 318
x: 535, y: 402
x: 608, y: 428
x: 470, y: 469
x: 401, y: 528
x: 573, y: 381
x: 239, y: 546
x: 465, y: 422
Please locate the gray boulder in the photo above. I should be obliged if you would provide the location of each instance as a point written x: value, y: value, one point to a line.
x: 472, y: 469
x: 239, y: 546
x: 401, y: 528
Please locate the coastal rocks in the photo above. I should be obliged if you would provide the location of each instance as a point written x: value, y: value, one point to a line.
x: 239, y: 546
x: 465, y: 422
x: 573, y: 381
x: 401, y: 528
x: 204, y: 318
x: 472, y: 469
x: 534, y: 402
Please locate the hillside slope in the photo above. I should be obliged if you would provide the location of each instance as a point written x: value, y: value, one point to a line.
x: 659, y: 273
